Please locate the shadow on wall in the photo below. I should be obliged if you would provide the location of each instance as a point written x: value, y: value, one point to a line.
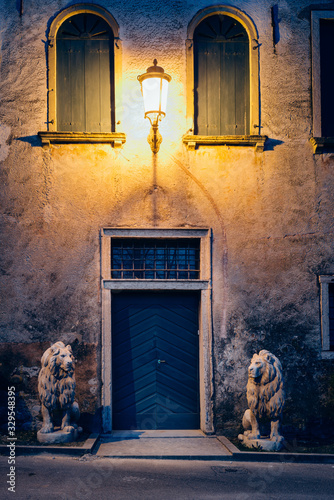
x: 19, y: 370
x: 24, y: 419
x: 271, y: 144
x: 33, y: 140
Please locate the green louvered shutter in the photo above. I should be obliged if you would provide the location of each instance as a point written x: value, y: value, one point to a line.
x: 85, y: 96
x: 221, y: 67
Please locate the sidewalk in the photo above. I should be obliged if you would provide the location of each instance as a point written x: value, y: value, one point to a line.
x: 191, y: 445
x: 169, y: 445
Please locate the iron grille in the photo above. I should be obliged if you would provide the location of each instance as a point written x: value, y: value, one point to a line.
x: 173, y: 259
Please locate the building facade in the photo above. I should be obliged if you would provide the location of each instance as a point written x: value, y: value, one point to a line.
x: 167, y: 271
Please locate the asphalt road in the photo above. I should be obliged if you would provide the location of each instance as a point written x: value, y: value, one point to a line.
x: 91, y: 477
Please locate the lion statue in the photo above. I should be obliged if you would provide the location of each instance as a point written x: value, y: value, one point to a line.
x: 56, y: 387
x: 265, y: 396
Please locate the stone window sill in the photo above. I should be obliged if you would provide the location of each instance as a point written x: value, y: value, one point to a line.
x: 320, y: 144
x: 150, y: 284
x: 227, y: 140
x: 327, y: 354
x: 117, y: 139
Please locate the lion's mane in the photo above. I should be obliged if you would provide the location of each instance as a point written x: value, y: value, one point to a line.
x: 56, y: 381
x: 265, y: 393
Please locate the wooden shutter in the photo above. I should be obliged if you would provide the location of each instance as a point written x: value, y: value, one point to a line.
x: 97, y: 86
x: 70, y: 85
x: 221, y: 65
x: 327, y: 76
x: 85, y: 75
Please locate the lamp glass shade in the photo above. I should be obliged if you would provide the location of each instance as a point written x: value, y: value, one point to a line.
x: 155, y: 91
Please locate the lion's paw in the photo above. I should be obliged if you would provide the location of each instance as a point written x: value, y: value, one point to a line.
x: 253, y: 435
x: 277, y: 438
x: 68, y: 428
x: 47, y: 428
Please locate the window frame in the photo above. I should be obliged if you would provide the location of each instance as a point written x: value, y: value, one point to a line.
x: 318, y: 141
x: 324, y: 281
x: 149, y: 258
x: 254, y: 138
x: 52, y: 135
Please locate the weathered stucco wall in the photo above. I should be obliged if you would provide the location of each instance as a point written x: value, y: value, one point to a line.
x: 270, y: 212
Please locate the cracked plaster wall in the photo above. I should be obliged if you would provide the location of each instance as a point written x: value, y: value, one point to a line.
x: 271, y: 212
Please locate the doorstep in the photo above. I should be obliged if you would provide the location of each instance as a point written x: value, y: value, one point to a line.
x: 162, y: 444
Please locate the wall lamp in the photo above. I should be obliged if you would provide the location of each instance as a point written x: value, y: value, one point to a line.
x: 154, y: 87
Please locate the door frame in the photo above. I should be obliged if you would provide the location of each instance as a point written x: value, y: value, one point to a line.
x: 203, y: 285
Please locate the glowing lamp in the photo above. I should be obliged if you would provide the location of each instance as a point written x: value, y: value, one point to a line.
x: 154, y: 87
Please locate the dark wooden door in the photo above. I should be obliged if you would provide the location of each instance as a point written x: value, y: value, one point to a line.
x: 155, y: 361
x: 221, y: 69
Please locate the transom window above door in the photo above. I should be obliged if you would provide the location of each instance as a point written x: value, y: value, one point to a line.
x: 170, y: 259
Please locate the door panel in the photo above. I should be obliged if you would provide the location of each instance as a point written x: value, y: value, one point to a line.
x: 155, y: 360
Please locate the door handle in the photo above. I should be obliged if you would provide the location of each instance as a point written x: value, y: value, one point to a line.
x: 161, y: 361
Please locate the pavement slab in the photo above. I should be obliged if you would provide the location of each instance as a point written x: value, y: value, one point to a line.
x: 181, y: 444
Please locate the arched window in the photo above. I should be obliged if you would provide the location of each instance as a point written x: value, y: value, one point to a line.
x: 85, y: 76
x: 223, y: 79
x: 84, y: 61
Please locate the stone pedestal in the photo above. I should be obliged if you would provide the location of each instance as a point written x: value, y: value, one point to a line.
x: 264, y: 444
x: 58, y: 437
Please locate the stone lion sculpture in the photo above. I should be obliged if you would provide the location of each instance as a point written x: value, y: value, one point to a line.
x: 56, y: 387
x: 265, y: 396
